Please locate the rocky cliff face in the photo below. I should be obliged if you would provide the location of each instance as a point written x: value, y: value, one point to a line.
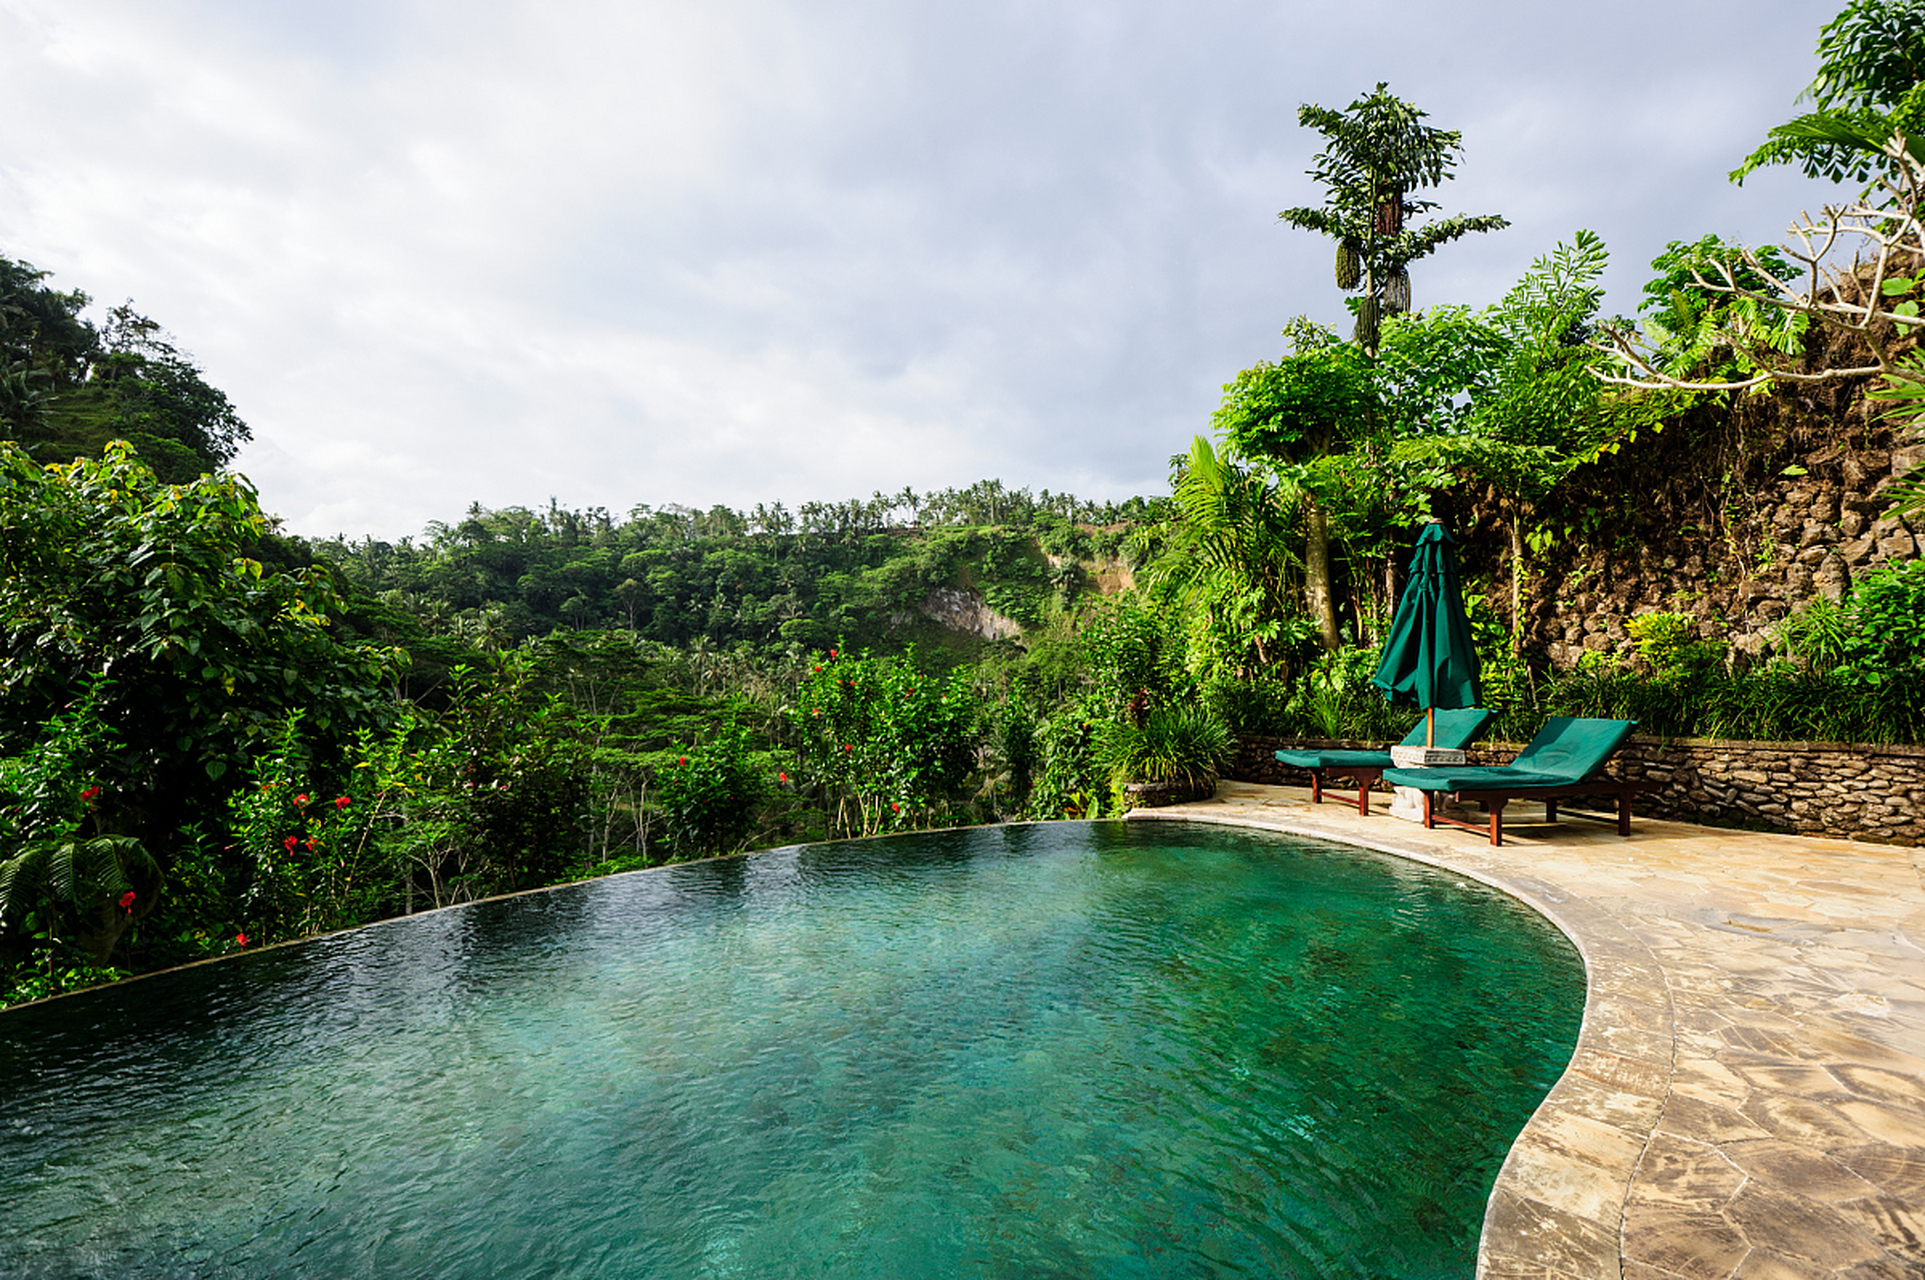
x: 965, y: 611
x: 1735, y: 514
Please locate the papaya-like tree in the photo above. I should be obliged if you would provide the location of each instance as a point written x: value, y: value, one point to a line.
x: 1378, y: 153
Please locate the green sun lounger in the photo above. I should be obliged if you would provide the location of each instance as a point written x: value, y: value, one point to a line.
x: 1562, y: 762
x: 1455, y: 731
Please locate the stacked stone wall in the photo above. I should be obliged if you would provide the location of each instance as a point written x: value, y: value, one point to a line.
x: 1843, y: 790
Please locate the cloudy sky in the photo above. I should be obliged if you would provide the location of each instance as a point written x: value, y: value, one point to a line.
x: 698, y: 251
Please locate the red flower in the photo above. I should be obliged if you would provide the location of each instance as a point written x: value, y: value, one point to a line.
x: 127, y: 901
x: 814, y: 669
x: 681, y: 760
x: 848, y: 747
x: 87, y: 796
x: 290, y: 842
x: 832, y: 653
x: 241, y: 938
x: 300, y: 800
x: 781, y: 777
x: 342, y: 802
x: 894, y: 807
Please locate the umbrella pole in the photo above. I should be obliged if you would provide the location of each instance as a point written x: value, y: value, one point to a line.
x: 1430, y: 727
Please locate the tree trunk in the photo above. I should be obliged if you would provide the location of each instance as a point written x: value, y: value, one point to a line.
x: 1389, y: 610
x: 1517, y: 581
x: 1316, y: 573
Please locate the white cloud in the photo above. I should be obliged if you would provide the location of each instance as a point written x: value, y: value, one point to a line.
x: 752, y: 249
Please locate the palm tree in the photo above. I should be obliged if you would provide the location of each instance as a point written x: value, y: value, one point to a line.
x: 1228, y: 556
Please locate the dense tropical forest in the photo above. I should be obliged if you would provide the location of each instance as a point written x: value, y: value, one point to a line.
x: 215, y: 735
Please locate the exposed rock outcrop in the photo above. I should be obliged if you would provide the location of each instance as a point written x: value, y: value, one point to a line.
x: 963, y: 610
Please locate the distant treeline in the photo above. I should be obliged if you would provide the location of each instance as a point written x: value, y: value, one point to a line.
x: 855, y: 570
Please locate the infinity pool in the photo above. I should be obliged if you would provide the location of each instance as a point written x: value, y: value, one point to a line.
x: 1073, y: 1050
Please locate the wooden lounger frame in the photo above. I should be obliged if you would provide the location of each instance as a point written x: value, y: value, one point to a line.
x: 1494, y: 802
x: 1364, y: 775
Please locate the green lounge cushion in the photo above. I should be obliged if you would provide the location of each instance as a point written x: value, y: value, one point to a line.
x: 1336, y: 759
x: 1473, y: 778
x: 1573, y: 748
x: 1566, y: 751
x: 1455, y: 731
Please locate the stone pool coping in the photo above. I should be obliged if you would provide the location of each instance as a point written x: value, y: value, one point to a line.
x: 1747, y: 1096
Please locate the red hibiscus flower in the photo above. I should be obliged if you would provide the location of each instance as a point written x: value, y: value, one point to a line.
x: 127, y: 901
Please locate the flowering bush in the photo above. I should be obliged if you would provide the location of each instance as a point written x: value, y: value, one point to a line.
x: 709, y: 797
x: 71, y: 886
x: 890, y: 746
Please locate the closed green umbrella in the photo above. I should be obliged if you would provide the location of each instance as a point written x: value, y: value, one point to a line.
x: 1429, y: 660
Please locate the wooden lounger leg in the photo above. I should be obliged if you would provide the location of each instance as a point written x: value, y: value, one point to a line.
x: 1363, y: 797
x: 1497, y: 819
x: 1550, y: 811
x: 1316, y: 786
x: 1430, y: 823
x: 1624, y: 813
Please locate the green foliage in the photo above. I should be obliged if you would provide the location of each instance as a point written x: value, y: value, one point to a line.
x: 1072, y: 783
x: 1377, y: 153
x: 1298, y: 408
x: 1772, y: 704
x: 1669, y: 644
x: 524, y: 773
x: 1184, y: 743
x: 709, y: 795
x: 1705, y: 312
x: 105, y: 571
x: 1875, y: 636
x: 1227, y: 573
x: 1857, y: 673
x: 67, y: 389
x: 890, y: 746
x: 1870, y: 86
x: 770, y: 577
x: 68, y: 881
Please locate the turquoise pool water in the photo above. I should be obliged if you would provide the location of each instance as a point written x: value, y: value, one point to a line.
x: 1074, y: 1050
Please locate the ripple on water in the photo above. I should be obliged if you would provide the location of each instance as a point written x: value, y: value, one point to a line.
x: 1076, y: 1050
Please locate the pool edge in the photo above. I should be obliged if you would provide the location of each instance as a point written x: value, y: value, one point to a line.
x: 1557, y: 1205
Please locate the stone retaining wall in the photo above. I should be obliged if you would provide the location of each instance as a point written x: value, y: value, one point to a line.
x: 1834, y: 789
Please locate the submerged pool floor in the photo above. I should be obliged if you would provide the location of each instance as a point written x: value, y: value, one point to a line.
x: 1747, y: 1098
x: 1066, y: 1050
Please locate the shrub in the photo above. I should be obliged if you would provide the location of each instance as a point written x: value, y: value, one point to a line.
x: 890, y: 746
x: 1181, y: 744
x: 709, y: 798
x: 1669, y: 644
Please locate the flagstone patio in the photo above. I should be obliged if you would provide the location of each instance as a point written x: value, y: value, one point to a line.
x: 1747, y: 1098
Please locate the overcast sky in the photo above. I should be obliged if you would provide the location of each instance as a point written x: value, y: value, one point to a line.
x: 698, y: 251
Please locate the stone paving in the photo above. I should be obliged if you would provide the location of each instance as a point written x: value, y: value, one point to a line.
x: 1747, y: 1098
